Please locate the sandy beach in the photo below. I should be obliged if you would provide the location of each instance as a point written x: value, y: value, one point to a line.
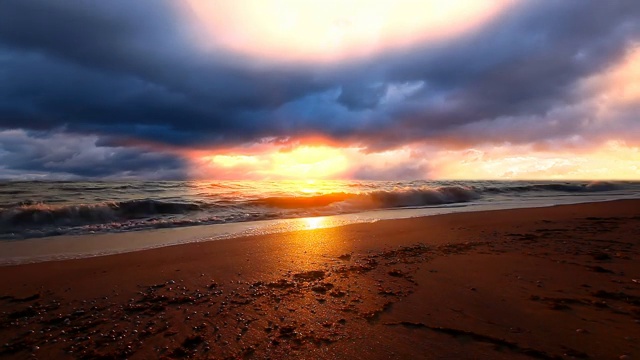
x: 559, y: 282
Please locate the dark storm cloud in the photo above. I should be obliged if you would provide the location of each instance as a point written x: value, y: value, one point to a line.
x: 131, y: 70
x: 55, y: 155
x: 522, y: 66
x: 358, y: 97
x: 126, y: 68
x: 520, y: 70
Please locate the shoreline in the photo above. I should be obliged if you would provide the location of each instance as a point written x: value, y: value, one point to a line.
x: 69, y: 247
x: 555, y: 282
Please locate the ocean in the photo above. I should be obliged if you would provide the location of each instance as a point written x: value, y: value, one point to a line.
x: 35, y: 209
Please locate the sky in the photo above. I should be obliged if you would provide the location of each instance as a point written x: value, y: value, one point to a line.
x: 305, y: 89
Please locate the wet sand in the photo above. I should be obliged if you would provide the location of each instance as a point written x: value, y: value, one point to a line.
x: 545, y: 283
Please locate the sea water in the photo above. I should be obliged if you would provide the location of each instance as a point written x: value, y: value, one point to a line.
x: 72, y: 219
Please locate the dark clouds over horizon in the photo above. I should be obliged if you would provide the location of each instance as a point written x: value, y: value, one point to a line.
x: 112, y: 73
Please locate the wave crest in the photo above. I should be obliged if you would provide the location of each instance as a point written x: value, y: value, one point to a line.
x: 294, y: 202
x: 594, y: 186
x: 403, y: 197
x: 35, y: 214
x: 408, y: 197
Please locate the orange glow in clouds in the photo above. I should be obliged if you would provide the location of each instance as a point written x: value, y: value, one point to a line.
x: 318, y: 31
x: 624, y: 80
x: 618, y: 85
x: 303, y: 162
x: 307, y: 162
x: 613, y: 160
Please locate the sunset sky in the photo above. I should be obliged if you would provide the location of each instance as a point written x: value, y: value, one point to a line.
x: 303, y: 89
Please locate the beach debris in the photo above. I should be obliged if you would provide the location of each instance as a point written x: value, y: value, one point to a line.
x: 601, y: 256
x: 600, y: 269
x: 396, y: 273
x: 309, y: 275
x: 281, y: 284
x: 322, y: 287
x: 558, y: 303
x: 19, y: 300
x: 498, y: 342
x: 619, y: 296
x: 573, y: 353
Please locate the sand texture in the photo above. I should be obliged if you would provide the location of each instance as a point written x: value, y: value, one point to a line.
x: 545, y: 283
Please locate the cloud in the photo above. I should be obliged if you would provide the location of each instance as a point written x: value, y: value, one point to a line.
x: 56, y: 155
x: 394, y: 172
x: 606, y: 161
x: 135, y: 72
x: 98, y: 68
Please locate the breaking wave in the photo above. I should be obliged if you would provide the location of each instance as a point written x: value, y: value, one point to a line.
x: 296, y: 202
x: 595, y: 186
x: 35, y: 209
x: 28, y: 214
x: 423, y: 196
x: 379, y: 199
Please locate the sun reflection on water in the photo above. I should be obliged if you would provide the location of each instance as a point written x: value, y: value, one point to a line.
x: 314, y: 222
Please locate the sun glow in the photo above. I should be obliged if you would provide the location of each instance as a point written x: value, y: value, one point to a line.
x: 305, y: 162
x: 308, y: 162
x: 233, y: 160
x: 334, y: 29
x: 314, y: 222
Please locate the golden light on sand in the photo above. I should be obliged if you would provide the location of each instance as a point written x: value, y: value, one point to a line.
x: 331, y: 30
